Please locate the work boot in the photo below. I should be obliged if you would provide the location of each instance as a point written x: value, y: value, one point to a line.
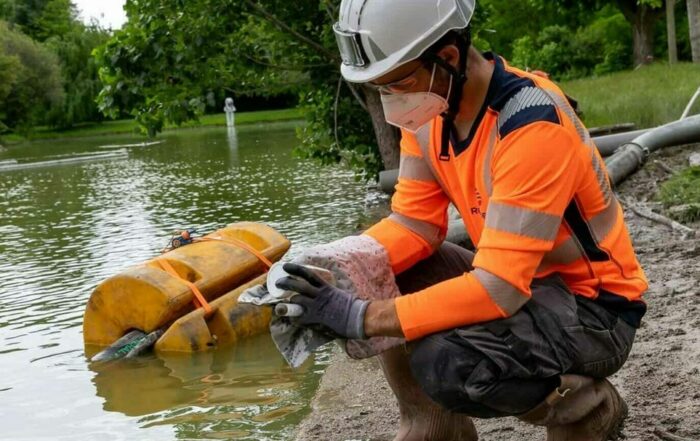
x: 421, y: 418
x: 580, y: 409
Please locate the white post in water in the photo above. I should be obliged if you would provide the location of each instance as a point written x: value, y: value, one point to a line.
x: 230, y: 110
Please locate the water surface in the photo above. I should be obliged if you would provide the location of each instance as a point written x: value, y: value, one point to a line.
x: 71, y: 217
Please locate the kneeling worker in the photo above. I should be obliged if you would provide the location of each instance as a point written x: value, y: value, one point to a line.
x: 533, y: 322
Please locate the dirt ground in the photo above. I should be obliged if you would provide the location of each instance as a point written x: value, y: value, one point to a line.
x: 660, y: 382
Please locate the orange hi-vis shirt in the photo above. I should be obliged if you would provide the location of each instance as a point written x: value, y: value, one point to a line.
x: 535, y: 198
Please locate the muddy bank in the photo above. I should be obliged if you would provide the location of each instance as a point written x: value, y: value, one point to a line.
x: 661, y: 380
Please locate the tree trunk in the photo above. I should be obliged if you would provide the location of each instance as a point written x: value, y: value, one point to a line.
x: 388, y: 136
x: 643, y: 28
x: 671, y: 30
x: 642, y: 18
x: 694, y: 24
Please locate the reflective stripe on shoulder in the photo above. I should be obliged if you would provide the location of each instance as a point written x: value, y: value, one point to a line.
x: 429, y: 232
x: 522, y: 221
x: 526, y: 98
x: 565, y: 107
x: 505, y: 295
x: 415, y: 168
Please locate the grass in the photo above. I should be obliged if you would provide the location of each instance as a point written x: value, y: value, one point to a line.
x: 683, y: 189
x: 649, y: 96
x: 130, y: 126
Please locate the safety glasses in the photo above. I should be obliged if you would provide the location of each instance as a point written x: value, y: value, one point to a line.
x: 403, y: 85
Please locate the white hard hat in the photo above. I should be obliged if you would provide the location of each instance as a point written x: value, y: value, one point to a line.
x: 377, y: 36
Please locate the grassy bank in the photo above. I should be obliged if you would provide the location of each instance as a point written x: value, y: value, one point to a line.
x: 649, y: 96
x: 130, y: 126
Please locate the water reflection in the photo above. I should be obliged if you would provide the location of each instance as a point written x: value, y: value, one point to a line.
x: 251, y: 373
x: 232, y: 137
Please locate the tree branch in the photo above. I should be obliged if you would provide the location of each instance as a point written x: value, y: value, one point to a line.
x: 284, y: 27
x: 356, y: 94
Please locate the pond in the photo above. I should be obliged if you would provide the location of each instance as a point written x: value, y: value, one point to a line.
x: 74, y: 212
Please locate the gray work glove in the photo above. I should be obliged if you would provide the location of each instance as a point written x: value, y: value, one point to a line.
x: 339, y: 311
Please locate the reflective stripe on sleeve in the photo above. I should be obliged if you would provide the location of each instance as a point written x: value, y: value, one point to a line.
x: 505, y: 295
x: 570, y: 250
x: 565, y: 253
x: 415, y: 168
x: 603, y: 223
x: 601, y: 175
x: 429, y: 232
x: 521, y: 221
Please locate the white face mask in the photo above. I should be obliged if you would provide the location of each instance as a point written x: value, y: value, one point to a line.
x: 411, y: 111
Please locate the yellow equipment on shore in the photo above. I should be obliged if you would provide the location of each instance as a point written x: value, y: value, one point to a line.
x: 159, y: 294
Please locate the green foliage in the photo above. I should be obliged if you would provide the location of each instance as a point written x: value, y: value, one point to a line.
x: 80, y: 74
x: 56, y: 19
x: 176, y: 59
x: 36, y: 86
x: 338, y: 132
x: 603, y: 46
x: 9, y: 68
x: 7, y: 10
x: 683, y: 189
x: 55, y: 23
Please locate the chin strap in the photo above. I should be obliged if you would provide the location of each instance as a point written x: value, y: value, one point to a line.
x: 463, y: 43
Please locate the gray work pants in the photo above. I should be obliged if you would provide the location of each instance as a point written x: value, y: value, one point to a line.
x: 507, y: 367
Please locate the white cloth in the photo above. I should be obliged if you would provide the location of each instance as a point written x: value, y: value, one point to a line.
x: 361, y: 266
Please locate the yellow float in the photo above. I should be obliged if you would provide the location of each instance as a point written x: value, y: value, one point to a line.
x: 161, y: 293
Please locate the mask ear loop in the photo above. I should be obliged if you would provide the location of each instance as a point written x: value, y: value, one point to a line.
x: 463, y: 42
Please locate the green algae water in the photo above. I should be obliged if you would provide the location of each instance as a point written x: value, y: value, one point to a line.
x: 74, y: 212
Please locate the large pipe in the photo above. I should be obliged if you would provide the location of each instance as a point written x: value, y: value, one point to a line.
x: 625, y: 161
x: 632, y: 155
x: 609, y: 143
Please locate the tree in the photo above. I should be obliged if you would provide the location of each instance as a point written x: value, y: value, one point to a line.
x: 56, y: 19
x: 172, y: 59
x: 694, y: 24
x: 9, y: 67
x: 643, y: 15
x: 80, y: 74
x: 671, y: 31
x: 36, y: 86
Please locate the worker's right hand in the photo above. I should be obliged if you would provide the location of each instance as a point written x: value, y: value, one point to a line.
x: 340, y: 311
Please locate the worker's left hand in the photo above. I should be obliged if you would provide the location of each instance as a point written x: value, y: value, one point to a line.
x: 325, y: 305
